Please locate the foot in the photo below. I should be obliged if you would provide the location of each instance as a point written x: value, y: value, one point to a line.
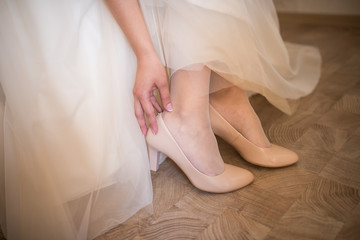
x: 197, y: 141
x: 233, y: 105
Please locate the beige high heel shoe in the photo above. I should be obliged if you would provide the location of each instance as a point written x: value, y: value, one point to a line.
x: 273, y: 156
x: 232, y: 178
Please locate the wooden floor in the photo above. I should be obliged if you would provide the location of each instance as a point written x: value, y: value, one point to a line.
x: 318, y: 198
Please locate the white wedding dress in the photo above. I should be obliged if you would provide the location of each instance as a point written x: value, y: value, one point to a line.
x: 74, y: 161
x: 237, y: 39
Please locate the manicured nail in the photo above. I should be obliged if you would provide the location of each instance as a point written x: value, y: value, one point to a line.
x: 169, y: 107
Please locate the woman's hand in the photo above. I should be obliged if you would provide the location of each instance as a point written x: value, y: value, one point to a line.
x: 150, y: 75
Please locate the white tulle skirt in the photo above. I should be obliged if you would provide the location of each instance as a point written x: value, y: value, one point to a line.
x: 75, y: 162
x: 239, y: 40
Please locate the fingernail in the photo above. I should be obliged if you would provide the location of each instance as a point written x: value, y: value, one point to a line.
x: 169, y: 107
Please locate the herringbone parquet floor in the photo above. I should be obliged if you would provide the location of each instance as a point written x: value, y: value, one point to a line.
x: 318, y: 198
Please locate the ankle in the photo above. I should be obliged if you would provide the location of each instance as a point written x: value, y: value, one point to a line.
x: 187, y: 122
x: 229, y: 93
x: 196, y: 115
x: 196, y: 139
x: 234, y: 106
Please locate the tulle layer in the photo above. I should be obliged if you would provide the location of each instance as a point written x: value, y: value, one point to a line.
x: 75, y: 162
x: 239, y: 40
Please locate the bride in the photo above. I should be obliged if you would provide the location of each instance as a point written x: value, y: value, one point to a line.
x: 75, y: 161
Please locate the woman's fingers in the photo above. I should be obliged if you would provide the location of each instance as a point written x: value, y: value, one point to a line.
x: 165, y: 95
x: 139, y: 114
x: 150, y: 113
x: 144, y: 106
x: 150, y: 76
x: 155, y: 104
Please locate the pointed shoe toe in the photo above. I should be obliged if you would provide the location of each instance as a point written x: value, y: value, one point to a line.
x: 232, y: 178
x: 280, y: 157
x: 237, y: 177
x: 273, y: 156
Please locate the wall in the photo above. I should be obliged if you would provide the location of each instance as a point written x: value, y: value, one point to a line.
x: 338, y: 7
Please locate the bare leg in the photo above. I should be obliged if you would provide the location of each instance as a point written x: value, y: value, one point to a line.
x: 189, y: 122
x: 233, y: 104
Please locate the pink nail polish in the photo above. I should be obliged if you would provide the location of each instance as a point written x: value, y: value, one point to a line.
x: 169, y: 107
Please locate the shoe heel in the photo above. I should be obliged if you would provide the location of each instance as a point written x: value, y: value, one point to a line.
x: 154, y: 157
